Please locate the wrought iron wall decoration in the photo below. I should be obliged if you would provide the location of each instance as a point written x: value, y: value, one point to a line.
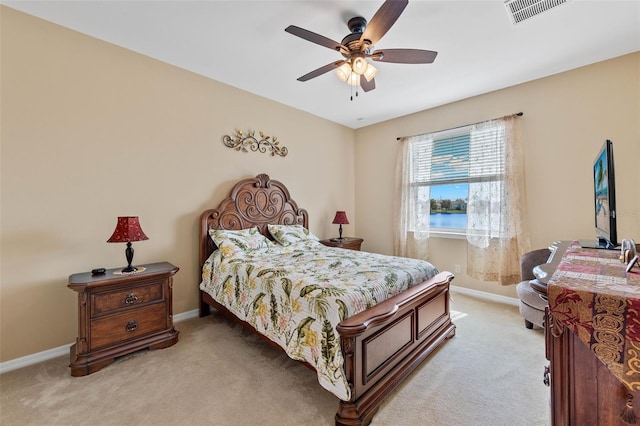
x: 242, y: 142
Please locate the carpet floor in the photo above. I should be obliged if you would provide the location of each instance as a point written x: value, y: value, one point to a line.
x: 490, y: 373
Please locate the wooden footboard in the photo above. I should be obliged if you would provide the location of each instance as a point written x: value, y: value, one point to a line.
x: 384, y: 344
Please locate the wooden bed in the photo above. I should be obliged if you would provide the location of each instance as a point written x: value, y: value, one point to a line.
x: 382, y: 345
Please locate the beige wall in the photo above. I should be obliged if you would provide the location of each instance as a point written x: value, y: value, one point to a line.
x: 91, y: 131
x: 567, y: 117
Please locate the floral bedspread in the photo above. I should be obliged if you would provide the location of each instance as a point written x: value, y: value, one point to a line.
x: 296, y: 295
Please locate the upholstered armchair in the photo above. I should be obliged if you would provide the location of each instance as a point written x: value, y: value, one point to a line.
x: 532, y: 302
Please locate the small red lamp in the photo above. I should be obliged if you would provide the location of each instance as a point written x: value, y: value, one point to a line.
x: 340, y: 219
x: 127, y: 230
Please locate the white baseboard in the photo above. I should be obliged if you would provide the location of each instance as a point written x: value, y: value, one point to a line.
x: 486, y: 296
x: 186, y: 315
x: 25, y: 361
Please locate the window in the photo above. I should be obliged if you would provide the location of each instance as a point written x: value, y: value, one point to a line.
x: 468, y: 182
x: 439, y: 181
x: 444, y: 166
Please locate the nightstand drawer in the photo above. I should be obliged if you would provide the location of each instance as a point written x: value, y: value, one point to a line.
x: 128, y: 325
x: 103, y: 303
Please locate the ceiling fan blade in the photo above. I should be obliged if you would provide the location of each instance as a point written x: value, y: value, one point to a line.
x: 321, y: 70
x: 404, y: 56
x: 367, y: 86
x: 314, y: 38
x: 384, y: 18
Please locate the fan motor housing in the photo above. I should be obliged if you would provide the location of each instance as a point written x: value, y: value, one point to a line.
x: 357, y: 26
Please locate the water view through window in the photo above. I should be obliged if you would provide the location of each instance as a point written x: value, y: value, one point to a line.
x: 441, y: 178
x: 449, y: 206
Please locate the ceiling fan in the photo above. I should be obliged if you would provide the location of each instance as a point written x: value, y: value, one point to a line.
x: 358, y: 46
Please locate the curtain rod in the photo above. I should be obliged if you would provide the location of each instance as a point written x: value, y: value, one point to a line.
x: 517, y: 114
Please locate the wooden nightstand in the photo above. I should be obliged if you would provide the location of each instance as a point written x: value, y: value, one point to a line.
x: 345, y: 243
x: 120, y: 314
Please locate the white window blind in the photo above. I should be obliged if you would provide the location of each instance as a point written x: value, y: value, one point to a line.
x: 469, y: 155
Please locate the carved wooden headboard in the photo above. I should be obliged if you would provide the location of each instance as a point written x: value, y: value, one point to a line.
x: 253, y: 202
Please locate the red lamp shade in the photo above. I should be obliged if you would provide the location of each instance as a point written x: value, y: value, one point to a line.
x: 341, y: 218
x: 128, y: 229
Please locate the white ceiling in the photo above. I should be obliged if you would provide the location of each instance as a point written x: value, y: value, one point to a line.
x: 243, y: 44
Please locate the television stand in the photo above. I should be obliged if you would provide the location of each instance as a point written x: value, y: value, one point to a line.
x: 590, y: 319
x: 598, y: 243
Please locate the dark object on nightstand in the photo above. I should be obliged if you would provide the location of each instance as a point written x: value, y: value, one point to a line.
x: 345, y: 243
x: 98, y: 271
x: 121, y: 313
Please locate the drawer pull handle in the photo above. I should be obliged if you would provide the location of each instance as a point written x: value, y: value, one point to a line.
x: 131, y: 299
x: 547, y: 376
x: 131, y: 326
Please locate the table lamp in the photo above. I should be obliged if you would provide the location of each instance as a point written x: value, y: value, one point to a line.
x: 340, y: 219
x: 127, y: 230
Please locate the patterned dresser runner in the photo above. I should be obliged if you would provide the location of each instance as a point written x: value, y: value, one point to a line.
x: 591, y: 294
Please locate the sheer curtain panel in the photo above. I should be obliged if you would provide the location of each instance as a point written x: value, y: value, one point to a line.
x: 496, y: 211
x: 411, y: 235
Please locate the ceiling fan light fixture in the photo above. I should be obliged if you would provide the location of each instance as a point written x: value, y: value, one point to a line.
x: 370, y: 72
x: 359, y: 64
x: 343, y: 72
x: 357, y: 46
x: 354, y: 80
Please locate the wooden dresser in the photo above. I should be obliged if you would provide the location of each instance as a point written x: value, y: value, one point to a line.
x: 121, y: 313
x: 591, y: 336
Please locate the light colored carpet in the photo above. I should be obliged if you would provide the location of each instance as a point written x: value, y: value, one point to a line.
x: 490, y: 373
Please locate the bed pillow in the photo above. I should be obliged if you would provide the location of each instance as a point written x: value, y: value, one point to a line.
x: 230, y: 242
x: 290, y: 234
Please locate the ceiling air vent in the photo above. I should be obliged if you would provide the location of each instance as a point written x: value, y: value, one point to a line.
x: 521, y: 10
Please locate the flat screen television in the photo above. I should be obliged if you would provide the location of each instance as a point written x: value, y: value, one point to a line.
x: 604, y: 195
